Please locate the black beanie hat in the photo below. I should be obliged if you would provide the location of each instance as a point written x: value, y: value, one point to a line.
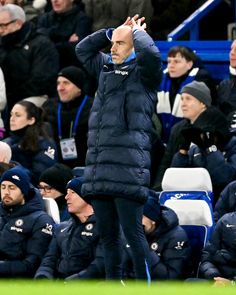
x: 57, y: 177
x: 20, y: 178
x: 74, y: 75
x: 199, y: 90
x: 75, y: 184
x: 152, y: 208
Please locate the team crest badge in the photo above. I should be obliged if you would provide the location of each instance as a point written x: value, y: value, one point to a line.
x: 89, y: 226
x: 19, y: 222
x: 154, y: 246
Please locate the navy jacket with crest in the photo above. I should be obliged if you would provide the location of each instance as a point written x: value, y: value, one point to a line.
x: 25, y: 233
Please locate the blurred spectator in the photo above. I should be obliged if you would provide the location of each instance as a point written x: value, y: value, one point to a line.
x: 29, y: 60
x: 168, y: 14
x: 218, y: 260
x: 73, y: 246
x: 191, y: 106
x: 183, y: 66
x: 32, y: 8
x: 167, y: 240
x: 25, y: 229
x: 112, y: 13
x: 66, y: 24
x: 29, y: 141
x: 226, y: 202
x: 52, y: 184
x: 6, y: 166
x: 5, y: 157
x: 5, y: 152
x: 213, y: 148
x: 69, y: 116
x: 3, y: 102
x: 226, y: 91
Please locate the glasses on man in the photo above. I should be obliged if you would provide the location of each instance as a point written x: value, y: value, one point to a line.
x: 45, y: 188
x: 4, y: 26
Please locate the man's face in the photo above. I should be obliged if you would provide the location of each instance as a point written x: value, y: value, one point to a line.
x: 10, y: 194
x: 75, y: 203
x: 232, y: 55
x: 191, y: 107
x: 148, y: 224
x: 7, y: 25
x: 178, y: 65
x: 122, y: 44
x: 61, y: 6
x: 47, y: 191
x: 67, y: 91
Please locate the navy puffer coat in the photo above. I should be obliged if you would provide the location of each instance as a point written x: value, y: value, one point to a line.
x: 25, y: 233
x: 120, y: 126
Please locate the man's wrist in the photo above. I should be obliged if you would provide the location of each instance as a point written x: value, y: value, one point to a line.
x: 211, y: 149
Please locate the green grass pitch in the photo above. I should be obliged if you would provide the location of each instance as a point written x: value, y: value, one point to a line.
x: 18, y: 287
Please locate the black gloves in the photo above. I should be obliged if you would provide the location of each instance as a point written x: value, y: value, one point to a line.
x: 185, y: 138
x: 207, y: 140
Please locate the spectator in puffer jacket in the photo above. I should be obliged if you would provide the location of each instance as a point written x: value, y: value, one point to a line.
x: 25, y: 229
x: 207, y: 143
x: 28, y: 59
x: 117, y: 172
x: 65, y: 24
x: 74, y: 242
x: 226, y: 202
x: 226, y: 91
x: 218, y: 260
x: 192, y: 105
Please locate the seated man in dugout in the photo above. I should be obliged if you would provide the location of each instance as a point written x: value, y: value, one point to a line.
x: 25, y: 228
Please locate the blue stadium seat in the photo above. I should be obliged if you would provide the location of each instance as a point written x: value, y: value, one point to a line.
x: 188, y: 191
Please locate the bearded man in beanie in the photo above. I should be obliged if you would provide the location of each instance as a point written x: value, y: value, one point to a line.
x: 168, y: 242
x: 52, y: 184
x: 195, y: 99
x: 74, y: 243
x: 68, y: 116
x: 25, y: 229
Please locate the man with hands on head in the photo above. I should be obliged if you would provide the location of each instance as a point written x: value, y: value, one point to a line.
x: 118, y: 160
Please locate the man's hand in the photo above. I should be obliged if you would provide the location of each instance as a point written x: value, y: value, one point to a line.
x: 74, y: 38
x: 135, y: 22
x: 222, y: 282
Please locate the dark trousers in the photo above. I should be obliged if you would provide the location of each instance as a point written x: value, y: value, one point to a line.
x: 110, y: 214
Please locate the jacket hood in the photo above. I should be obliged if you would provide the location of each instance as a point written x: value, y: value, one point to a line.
x: 168, y: 220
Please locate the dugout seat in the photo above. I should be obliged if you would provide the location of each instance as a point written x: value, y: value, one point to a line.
x: 52, y: 209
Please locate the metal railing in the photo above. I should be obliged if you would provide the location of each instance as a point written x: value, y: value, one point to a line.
x: 191, y: 24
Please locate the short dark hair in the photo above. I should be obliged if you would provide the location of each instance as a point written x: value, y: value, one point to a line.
x: 185, y: 51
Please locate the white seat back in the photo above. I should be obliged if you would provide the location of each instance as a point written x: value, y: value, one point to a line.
x: 191, y: 212
x: 186, y: 179
x: 52, y: 209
